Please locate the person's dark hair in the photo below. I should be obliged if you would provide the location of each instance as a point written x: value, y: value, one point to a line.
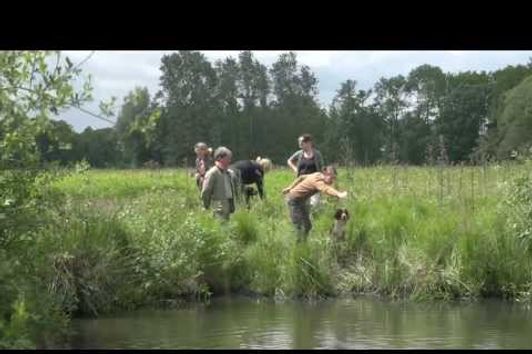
x: 306, y: 138
x: 330, y: 169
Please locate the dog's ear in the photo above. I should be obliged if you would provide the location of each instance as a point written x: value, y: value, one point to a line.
x: 338, y: 214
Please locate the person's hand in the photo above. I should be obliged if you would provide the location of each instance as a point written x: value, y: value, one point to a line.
x: 342, y: 195
x: 286, y: 190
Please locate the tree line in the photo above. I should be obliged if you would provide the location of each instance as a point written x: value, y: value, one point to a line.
x: 421, y: 118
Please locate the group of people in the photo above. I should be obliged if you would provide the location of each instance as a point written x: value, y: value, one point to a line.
x: 221, y: 182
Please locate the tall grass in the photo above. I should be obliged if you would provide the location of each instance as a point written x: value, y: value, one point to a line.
x: 123, y: 239
x: 423, y: 232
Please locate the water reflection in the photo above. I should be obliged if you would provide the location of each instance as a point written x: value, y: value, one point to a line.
x: 349, y: 324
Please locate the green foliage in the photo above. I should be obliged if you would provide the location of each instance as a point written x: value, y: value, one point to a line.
x: 519, y: 206
x: 124, y: 239
x: 136, y: 127
x: 246, y: 228
x: 515, y: 122
x: 98, y: 147
x: 97, y: 241
x: 31, y: 90
x: 258, y: 110
x: 354, y: 121
x: 34, y: 86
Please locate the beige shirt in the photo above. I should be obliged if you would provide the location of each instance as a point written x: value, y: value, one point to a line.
x: 307, y: 185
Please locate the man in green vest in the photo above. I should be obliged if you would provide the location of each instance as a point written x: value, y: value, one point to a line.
x: 218, y: 187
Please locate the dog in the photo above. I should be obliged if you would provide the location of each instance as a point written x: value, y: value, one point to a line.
x: 341, y: 217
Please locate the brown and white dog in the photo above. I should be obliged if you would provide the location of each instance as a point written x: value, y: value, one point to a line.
x: 341, y: 216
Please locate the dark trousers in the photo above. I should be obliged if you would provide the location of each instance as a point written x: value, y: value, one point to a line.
x: 300, y: 215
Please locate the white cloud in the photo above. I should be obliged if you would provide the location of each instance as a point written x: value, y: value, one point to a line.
x: 116, y: 73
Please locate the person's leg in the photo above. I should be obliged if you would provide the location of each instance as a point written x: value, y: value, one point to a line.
x: 294, y: 213
x: 299, y: 217
x: 305, y: 218
x: 248, y: 193
x: 222, y: 209
x: 260, y: 187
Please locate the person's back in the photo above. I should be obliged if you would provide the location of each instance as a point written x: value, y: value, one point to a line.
x: 250, y: 171
x: 306, y: 186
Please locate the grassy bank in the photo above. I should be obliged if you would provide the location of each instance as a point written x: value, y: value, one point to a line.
x: 123, y: 239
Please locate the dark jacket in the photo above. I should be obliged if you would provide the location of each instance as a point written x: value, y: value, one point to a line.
x: 249, y: 172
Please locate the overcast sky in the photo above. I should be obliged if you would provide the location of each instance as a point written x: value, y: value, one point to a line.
x: 115, y: 73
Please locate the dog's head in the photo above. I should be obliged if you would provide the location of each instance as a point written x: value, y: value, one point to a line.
x: 341, y: 214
